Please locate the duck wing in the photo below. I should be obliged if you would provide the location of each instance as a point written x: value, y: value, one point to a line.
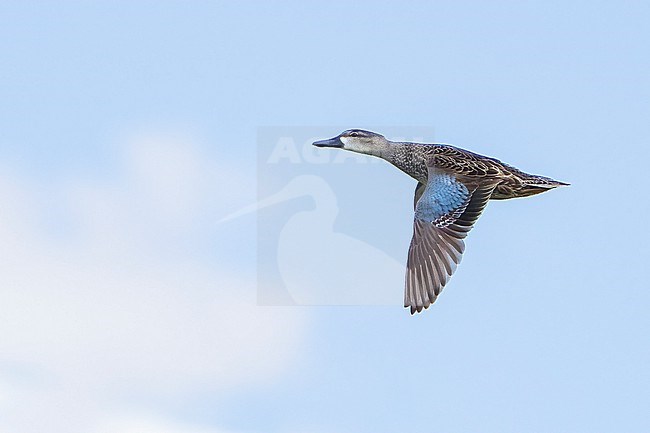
x: 444, y: 213
x: 468, y: 164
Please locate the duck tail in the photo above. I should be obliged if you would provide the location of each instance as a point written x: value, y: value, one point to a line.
x: 537, y: 185
x: 524, y: 187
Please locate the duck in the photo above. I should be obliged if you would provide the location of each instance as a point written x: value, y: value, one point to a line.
x: 453, y: 189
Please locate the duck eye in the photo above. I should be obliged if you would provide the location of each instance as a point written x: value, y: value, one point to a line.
x: 354, y: 134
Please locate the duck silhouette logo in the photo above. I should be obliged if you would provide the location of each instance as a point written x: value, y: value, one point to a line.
x: 316, y: 265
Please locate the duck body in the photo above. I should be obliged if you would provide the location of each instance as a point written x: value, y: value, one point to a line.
x: 453, y: 189
x: 414, y: 159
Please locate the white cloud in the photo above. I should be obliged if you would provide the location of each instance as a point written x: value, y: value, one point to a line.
x: 105, y: 290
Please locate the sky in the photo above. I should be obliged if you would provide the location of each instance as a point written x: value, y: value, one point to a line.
x: 177, y: 258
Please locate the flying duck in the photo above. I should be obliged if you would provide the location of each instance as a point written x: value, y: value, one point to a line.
x: 454, y: 186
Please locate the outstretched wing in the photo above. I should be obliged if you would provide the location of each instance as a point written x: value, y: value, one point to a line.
x: 444, y: 214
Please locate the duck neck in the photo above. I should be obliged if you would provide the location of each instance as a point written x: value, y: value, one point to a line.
x: 381, y: 150
x: 407, y: 158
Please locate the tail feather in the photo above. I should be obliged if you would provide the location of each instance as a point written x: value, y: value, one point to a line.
x: 545, y: 183
x: 530, y: 186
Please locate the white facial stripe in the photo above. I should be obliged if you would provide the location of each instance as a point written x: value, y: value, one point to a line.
x: 345, y: 140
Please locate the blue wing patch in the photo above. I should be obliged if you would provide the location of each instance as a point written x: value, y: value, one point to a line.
x: 444, y: 199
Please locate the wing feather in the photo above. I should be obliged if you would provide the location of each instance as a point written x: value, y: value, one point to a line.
x: 446, y: 210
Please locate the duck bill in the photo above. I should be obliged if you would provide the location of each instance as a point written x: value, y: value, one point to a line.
x: 332, y: 142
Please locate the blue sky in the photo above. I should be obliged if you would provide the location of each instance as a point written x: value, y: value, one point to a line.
x: 129, y: 130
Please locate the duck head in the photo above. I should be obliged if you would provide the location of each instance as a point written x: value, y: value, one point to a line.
x: 357, y: 140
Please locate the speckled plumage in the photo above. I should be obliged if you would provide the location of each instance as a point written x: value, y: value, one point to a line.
x: 414, y: 159
x: 454, y: 187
